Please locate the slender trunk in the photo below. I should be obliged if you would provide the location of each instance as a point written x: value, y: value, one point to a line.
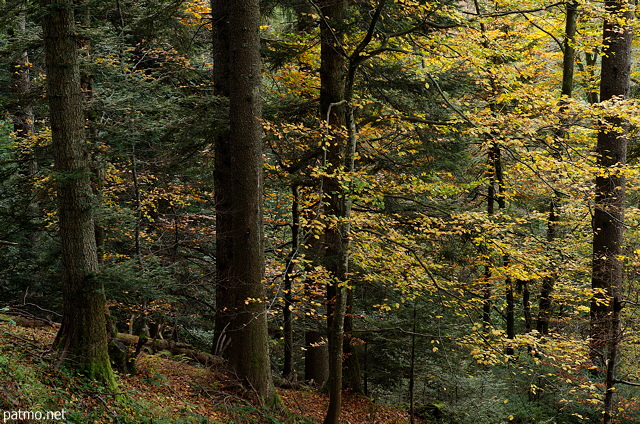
x: 82, y: 338
x: 287, y: 371
x: 526, y: 306
x: 138, y: 206
x: 511, y: 316
x: 544, y: 308
x: 568, y: 59
x: 332, y: 105
x: 569, y: 54
x: 20, y: 85
x: 412, y: 370
x: 23, y: 126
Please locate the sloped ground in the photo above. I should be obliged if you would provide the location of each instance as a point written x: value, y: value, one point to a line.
x: 165, y: 390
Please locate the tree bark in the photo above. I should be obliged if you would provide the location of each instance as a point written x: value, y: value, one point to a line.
x: 608, y: 219
x: 287, y: 369
x: 332, y: 106
x: 82, y: 338
x: 352, y: 374
x: 568, y: 59
x: 316, y: 358
x: 548, y: 283
x: 238, y: 183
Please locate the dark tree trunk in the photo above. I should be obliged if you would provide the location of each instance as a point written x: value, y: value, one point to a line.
x: 82, y: 338
x: 287, y: 371
x: 316, y: 358
x: 493, y: 195
x: 569, y: 54
x: 352, y: 375
x: 526, y: 306
x: 332, y: 86
x: 544, y: 308
x: 608, y: 218
x: 23, y: 124
x: 20, y: 86
x: 223, y: 172
x: 511, y: 316
x: 238, y: 185
x: 412, y: 370
x: 568, y: 59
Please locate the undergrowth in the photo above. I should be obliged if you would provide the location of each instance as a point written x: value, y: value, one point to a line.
x: 163, y: 392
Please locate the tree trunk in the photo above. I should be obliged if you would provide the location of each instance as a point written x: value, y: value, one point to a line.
x: 287, y: 370
x: 20, y: 85
x: 412, y: 370
x: 238, y: 184
x: 351, y: 375
x: 316, y: 358
x: 82, y: 338
x: 608, y: 218
x: 568, y: 59
x: 332, y: 67
x: 544, y: 308
x: 526, y: 304
x: 222, y: 177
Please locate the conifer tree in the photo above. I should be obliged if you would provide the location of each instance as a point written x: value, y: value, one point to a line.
x: 82, y: 338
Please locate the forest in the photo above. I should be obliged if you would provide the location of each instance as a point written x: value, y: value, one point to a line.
x: 431, y: 205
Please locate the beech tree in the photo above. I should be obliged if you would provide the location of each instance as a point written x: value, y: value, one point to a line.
x: 82, y: 338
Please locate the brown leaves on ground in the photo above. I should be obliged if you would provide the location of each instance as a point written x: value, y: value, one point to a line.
x: 172, y: 388
x: 356, y: 409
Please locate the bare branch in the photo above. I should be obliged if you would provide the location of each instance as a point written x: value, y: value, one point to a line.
x: 513, y: 12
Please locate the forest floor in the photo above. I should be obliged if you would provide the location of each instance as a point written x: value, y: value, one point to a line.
x: 166, y: 389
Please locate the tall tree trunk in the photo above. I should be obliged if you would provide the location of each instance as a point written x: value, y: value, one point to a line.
x: 568, y: 59
x: 526, y: 305
x: 352, y: 375
x: 332, y: 73
x: 287, y: 369
x: 412, y: 370
x: 86, y: 84
x: 222, y: 177
x: 316, y: 356
x: 238, y: 185
x: 82, y: 338
x: 20, y: 85
x: 23, y: 124
x: 544, y: 308
x: 608, y: 218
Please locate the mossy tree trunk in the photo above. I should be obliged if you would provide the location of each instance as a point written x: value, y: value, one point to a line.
x: 82, y: 338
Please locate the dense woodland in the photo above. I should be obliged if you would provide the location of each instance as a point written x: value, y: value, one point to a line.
x: 432, y: 203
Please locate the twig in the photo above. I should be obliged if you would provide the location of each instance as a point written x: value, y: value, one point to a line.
x: 115, y: 415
